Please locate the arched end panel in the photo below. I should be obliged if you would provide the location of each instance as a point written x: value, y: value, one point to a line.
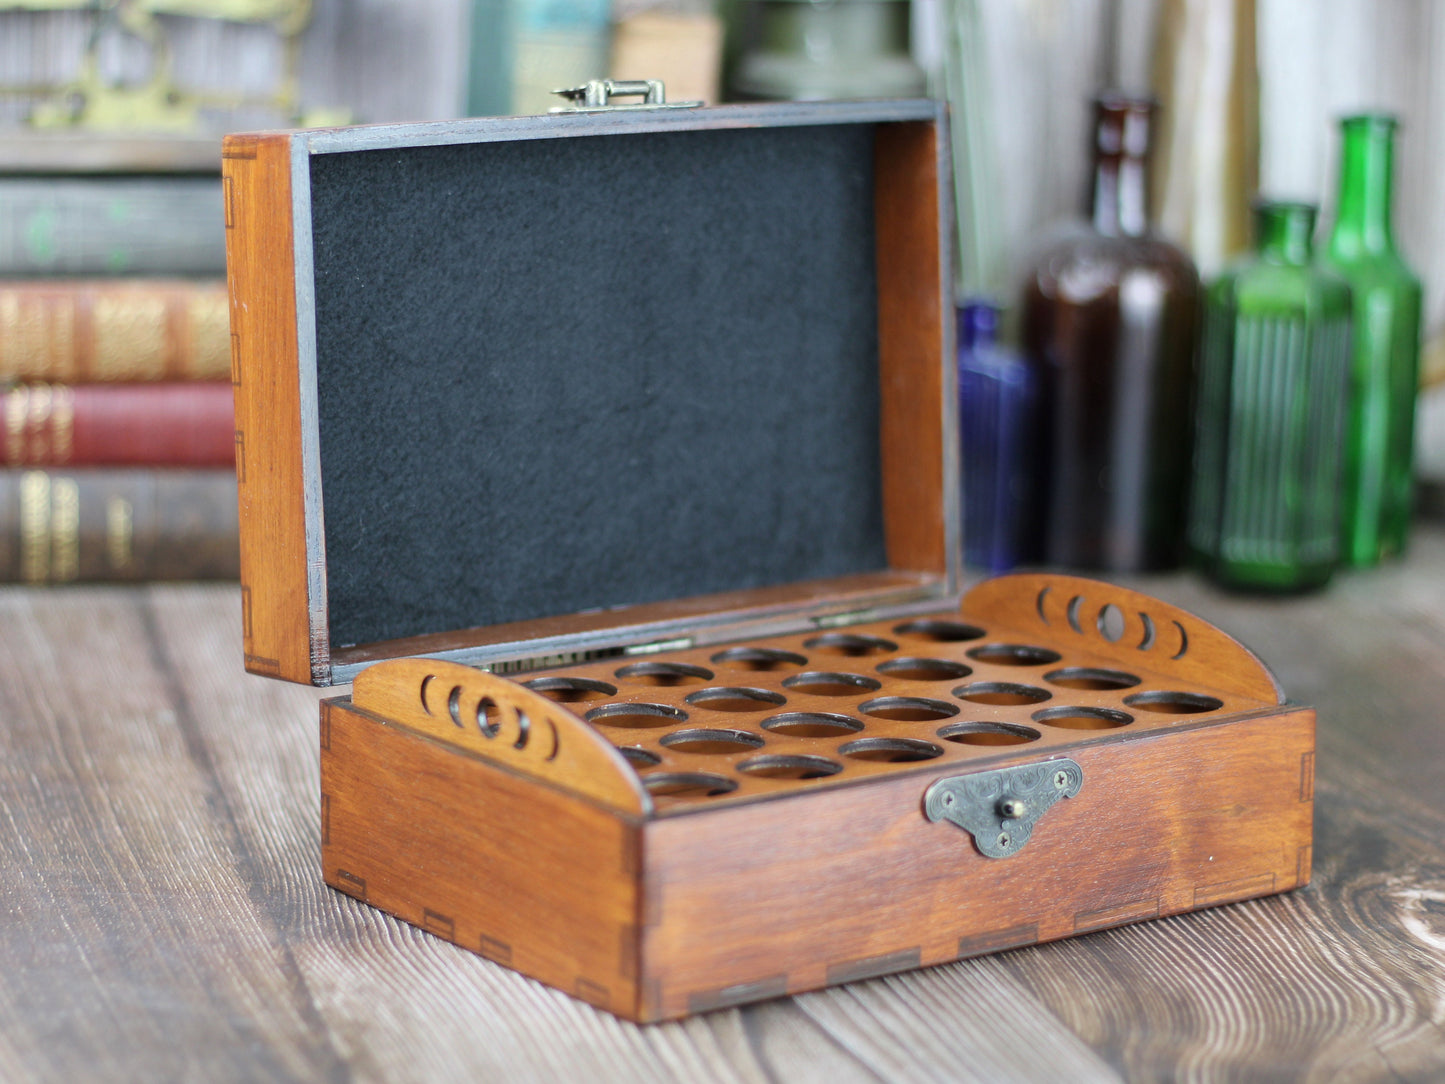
x: 1133, y: 628
x: 502, y: 722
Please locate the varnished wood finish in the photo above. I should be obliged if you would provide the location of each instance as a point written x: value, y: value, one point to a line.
x: 841, y: 885
x: 1072, y: 612
x: 260, y: 269
x: 165, y: 917
x: 958, y: 685
x: 520, y: 872
x: 919, y: 456
x: 501, y: 722
x: 282, y: 546
x: 754, y: 882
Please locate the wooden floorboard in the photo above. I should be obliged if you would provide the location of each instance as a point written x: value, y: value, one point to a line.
x: 162, y: 915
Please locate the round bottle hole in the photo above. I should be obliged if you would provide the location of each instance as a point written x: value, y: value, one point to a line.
x: 711, y: 742
x: 1172, y: 703
x: 1076, y: 718
x: 891, y: 750
x: 639, y: 758
x: 635, y: 715
x: 1004, y: 693
x: 687, y: 784
x: 1090, y: 679
x: 812, y: 724
x: 790, y: 767
x: 571, y: 690
x: 828, y: 683
x: 759, y: 658
x: 735, y: 699
x: 915, y: 669
x: 907, y: 709
x: 1014, y: 655
x: 947, y: 632
x: 989, y: 734
x: 850, y: 643
x: 664, y: 673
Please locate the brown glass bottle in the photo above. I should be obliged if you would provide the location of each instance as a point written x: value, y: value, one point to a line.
x: 1111, y: 315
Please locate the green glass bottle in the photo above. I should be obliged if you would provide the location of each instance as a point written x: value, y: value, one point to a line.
x: 1385, y: 358
x: 1273, y: 391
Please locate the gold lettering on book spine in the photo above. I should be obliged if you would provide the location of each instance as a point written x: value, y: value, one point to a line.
x: 35, y: 527
x: 119, y: 534
x: 209, y: 314
x: 64, y: 530
x: 39, y: 424
x: 17, y: 409
x: 62, y: 424
x: 37, y: 335
x: 130, y: 337
x: 37, y: 421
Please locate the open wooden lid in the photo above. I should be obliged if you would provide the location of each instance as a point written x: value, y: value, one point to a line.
x: 509, y: 395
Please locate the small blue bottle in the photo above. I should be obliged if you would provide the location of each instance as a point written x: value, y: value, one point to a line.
x: 1000, y: 398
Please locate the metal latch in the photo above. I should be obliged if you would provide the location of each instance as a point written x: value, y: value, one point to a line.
x: 595, y: 96
x: 1000, y: 808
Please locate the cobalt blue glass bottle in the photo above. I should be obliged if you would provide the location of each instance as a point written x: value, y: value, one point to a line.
x: 999, y: 397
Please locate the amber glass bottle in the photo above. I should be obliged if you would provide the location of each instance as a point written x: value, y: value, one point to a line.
x: 1111, y: 313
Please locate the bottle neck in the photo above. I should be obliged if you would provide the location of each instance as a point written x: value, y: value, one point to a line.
x: 1119, y: 198
x: 1284, y: 232
x: 977, y: 325
x: 1366, y: 167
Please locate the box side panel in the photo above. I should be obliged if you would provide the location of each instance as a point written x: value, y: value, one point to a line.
x: 519, y: 872
x: 260, y: 267
x: 784, y: 896
x: 919, y: 417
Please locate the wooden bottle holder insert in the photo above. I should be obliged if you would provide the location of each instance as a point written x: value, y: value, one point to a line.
x: 722, y: 724
x: 832, y: 708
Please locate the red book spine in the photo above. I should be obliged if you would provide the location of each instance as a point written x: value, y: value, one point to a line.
x: 153, y: 425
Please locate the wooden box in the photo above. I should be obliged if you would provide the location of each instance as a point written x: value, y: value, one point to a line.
x: 653, y: 411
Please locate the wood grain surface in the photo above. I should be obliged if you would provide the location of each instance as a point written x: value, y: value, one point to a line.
x: 164, y: 916
x: 265, y: 363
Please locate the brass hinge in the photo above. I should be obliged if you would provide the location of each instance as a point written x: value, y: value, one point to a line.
x: 595, y: 96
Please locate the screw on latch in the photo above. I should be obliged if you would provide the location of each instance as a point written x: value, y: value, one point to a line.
x: 1012, y: 808
x: 1000, y: 808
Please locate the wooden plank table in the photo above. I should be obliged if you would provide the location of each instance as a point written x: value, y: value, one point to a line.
x: 162, y: 914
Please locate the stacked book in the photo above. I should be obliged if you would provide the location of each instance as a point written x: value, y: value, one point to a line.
x: 117, y: 456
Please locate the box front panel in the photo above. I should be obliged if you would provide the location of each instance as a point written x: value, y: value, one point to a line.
x: 790, y: 895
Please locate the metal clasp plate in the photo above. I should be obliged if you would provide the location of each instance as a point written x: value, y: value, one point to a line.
x: 1000, y: 808
x: 595, y: 96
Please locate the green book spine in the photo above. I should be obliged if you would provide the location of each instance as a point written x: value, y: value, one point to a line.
x: 112, y: 225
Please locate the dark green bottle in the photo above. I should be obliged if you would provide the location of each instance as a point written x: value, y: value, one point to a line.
x: 1385, y: 359
x: 1273, y: 390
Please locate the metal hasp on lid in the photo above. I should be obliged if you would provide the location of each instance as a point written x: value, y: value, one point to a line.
x: 1000, y: 808
x: 595, y: 96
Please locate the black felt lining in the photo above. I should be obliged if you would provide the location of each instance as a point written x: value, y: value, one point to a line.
x: 558, y: 375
